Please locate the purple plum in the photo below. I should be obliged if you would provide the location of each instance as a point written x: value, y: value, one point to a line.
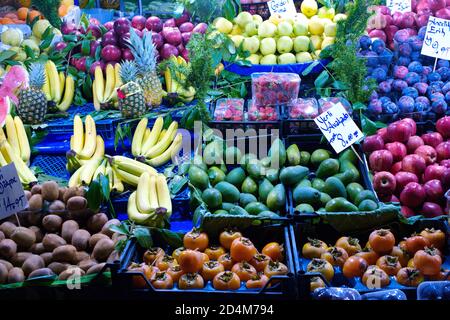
x: 416, y: 67
x: 434, y: 76
x: 385, y: 87
x: 439, y: 106
x: 405, y: 49
x: 421, y: 87
x: 379, y: 74
x: 412, y: 78
x: 365, y: 42
x: 375, y: 107
x: 406, y: 104
x: 410, y: 92
x: 378, y: 46
x: 399, y: 85
x: 400, y: 72
x: 403, y: 61
x: 390, y: 107
x: 444, y: 72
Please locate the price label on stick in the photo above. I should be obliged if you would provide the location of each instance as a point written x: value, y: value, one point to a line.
x: 282, y: 7
x: 399, y: 5
x: 437, y: 39
x: 12, y: 196
x: 338, y: 128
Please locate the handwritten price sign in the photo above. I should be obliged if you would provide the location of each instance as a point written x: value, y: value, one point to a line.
x: 12, y: 197
x: 282, y: 7
x: 399, y: 5
x: 338, y: 128
x: 437, y: 39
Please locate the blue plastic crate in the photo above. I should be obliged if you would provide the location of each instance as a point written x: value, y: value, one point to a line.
x: 52, y: 165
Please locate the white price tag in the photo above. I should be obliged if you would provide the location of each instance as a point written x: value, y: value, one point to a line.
x: 437, y: 39
x: 282, y: 7
x: 338, y: 128
x: 399, y: 5
x: 12, y: 196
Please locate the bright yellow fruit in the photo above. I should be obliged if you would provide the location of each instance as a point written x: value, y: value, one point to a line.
x: 309, y: 8
x: 315, y: 27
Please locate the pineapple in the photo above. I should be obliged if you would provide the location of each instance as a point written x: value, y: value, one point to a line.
x: 145, y: 54
x: 32, y: 105
x: 130, y: 94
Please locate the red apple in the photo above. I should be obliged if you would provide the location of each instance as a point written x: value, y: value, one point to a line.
x: 431, y: 210
x: 433, y: 190
x: 372, y: 143
x: 443, y: 151
x: 407, y: 212
x: 109, y: 25
x: 394, y: 199
x: 402, y: 178
x: 154, y: 24
x: 397, y: 149
x: 396, y: 167
x: 384, y: 183
x: 413, y: 195
x: 414, y: 163
x: 432, y: 139
x: 383, y: 134
x: 170, y: 23
x: 443, y: 126
x: 380, y: 160
x: 138, y: 22
x: 434, y: 171
x: 445, y: 163
x: 413, y: 143
x: 399, y: 131
x: 413, y: 125
x: 427, y: 153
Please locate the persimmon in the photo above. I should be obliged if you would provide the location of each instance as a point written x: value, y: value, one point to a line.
x: 22, y: 13
x: 242, y: 249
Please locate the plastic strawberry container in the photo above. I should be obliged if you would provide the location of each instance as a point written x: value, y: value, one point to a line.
x: 303, y: 108
x: 229, y: 109
x: 327, y: 103
x: 262, y: 113
x: 274, y: 89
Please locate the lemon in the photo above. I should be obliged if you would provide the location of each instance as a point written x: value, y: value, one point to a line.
x: 309, y: 8
x: 316, y: 42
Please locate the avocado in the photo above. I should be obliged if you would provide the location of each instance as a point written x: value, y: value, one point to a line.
x: 246, y: 198
x: 265, y: 162
x: 198, y: 161
x: 318, y: 184
x: 305, y: 157
x: 212, y: 197
x: 215, y: 175
x: 324, y: 198
x: 272, y: 175
x: 340, y: 204
x: 321, y: 210
x: 213, y: 153
x: 198, y: 177
x: 327, y: 168
x: 255, y: 170
x: 268, y: 215
x: 229, y: 192
x: 277, y: 154
x: 307, y: 195
x: 318, y: 156
x: 347, y: 166
x: 276, y: 199
x: 220, y: 211
x: 264, y: 189
x: 224, y: 168
x: 293, y: 155
x: 249, y: 186
x: 363, y: 195
x: 289, y: 176
x: 255, y: 208
x: 368, y: 205
x: 335, y: 188
x: 345, y: 177
x: 227, y: 206
x: 353, y: 189
x: 348, y: 155
x: 304, y: 183
x: 238, y: 211
x: 304, y: 208
x: 232, y: 155
x: 245, y: 160
x: 236, y: 177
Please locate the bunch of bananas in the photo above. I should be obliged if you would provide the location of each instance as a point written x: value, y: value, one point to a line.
x: 85, y: 145
x: 15, y: 148
x: 104, y: 92
x: 58, y: 88
x: 151, y: 202
x: 175, y: 92
x: 156, y: 146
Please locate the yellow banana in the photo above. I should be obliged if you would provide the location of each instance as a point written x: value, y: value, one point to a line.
x: 153, y: 193
x: 46, y: 87
x: 110, y: 83
x: 127, y: 177
x: 133, y: 212
x: 168, y: 80
x: 3, y: 161
x: 109, y: 174
x: 71, y: 142
x: 2, y: 134
x: 53, y: 77
x: 143, y: 193
x: 161, y: 135
x: 74, y: 180
x: 25, y: 174
x: 154, y: 134
x: 68, y: 94
x: 117, y: 184
x: 94, y: 96
x: 132, y: 166
x: 136, y: 144
x: 25, y: 150
x: 62, y: 81
x: 78, y: 134
x: 90, y: 139
x: 100, y: 170
x: 117, y: 76
x: 87, y: 174
x: 11, y: 132
x: 100, y: 84
x: 146, y: 135
x: 162, y: 145
x: 168, y: 154
x: 164, y: 199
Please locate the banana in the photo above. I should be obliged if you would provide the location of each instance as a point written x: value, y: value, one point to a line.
x: 53, y: 77
x: 90, y: 139
x: 109, y: 174
x: 168, y: 80
x: 94, y: 96
x: 153, y: 193
x: 154, y: 134
x: 117, y: 76
x: 68, y: 94
x: 164, y: 199
x: 117, y: 184
x: 161, y: 135
x: 46, y: 87
x: 78, y: 134
x: 99, y: 148
x: 2, y: 134
x: 74, y: 180
x: 136, y: 144
x: 146, y: 135
x: 62, y: 81
x: 132, y: 166
x: 126, y: 177
x: 25, y: 150
x: 168, y: 154
x: 11, y: 132
x: 100, y: 170
x: 162, y: 145
x: 3, y: 161
x: 87, y: 174
x: 100, y: 84
x: 110, y: 83
x: 143, y: 194
x: 25, y: 174
x: 133, y: 212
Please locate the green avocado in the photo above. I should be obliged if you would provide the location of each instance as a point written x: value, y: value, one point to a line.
x: 277, y: 154
x: 272, y: 175
x: 212, y: 197
x: 348, y: 155
x: 348, y: 166
x: 318, y: 184
x: 340, y: 204
x: 198, y: 177
x: 256, y: 170
x: 305, y: 156
x: 304, y: 183
x: 335, y: 188
x: 229, y: 192
x: 232, y: 155
x: 249, y: 186
x: 220, y: 211
x: 213, y: 153
x: 363, y: 195
x: 368, y: 205
x: 236, y: 177
x: 264, y: 189
x: 304, y: 208
x: 245, y: 160
x: 293, y: 155
x: 238, y: 211
x: 324, y: 198
x: 255, y: 208
x: 215, y: 175
x: 246, y: 198
x: 289, y: 176
x: 198, y: 161
x: 327, y: 168
x: 318, y: 156
x: 227, y: 206
x: 265, y: 162
x: 307, y: 195
x: 268, y: 215
x: 276, y: 198
x: 353, y: 189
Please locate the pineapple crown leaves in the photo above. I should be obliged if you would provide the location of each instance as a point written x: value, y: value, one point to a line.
x: 37, y: 75
x: 144, y: 51
x: 128, y: 71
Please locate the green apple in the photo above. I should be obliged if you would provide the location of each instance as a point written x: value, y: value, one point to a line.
x: 257, y: 18
x: 254, y: 58
x: 330, y: 29
x: 12, y: 37
x: 316, y: 42
x: 315, y: 27
x: 251, y: 44
x: 326, y: 42
x: 32, y: 45
x: 316, y: 54
x: 284, y: 44
x: 237, y: 40
x: 309, y: 8
x: 39, y: 28
x: 267, y: 29
x: 236, y: 30
x: 251, y: 29
x: 223, y: 25
x: 20, y: 54
x: 243, y: 18
x: 287, y: 58
x: 268, y: 46
x: 269, y: 59
x: 301, y: 28
x: 302, y: 57
x: 284, y: 28
x: 339, y: 16
x: 276, y: 18
x: 325, y: 12
x: 300, y: 16
x: 301, y: 43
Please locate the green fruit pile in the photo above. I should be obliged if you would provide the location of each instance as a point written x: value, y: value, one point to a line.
x: 335, y: 187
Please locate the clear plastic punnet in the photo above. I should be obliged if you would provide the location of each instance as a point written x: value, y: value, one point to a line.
x: 274, y: 89
x: 229, y: 109
x: 326, y: 103
x: 263, y: 113
x: 303, y: 108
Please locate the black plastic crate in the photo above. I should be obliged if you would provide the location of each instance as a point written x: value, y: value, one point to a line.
x: 301, y: 232
x: 284, y: 289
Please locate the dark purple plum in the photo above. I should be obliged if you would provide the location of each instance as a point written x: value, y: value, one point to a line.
x: 406, y: 104
x: 386, y: 57
x: 401, y: 36
x: 447, y: 97
x: 373, y: 95
x: 410, y: 92
x: 415, y: 56
x: 412, y: 78
x: 419, y: 107
x: 375, y: 107
x: 446, y: 88
x: 443, y: 63
x: 416, y: 67
x: 405, y: 49
x: 434, y: 76
x: 444, y: 72
x: 436, y: 96
x: 365, y: 42
x: 416, y: 43
x: 385, y: 87
x: 427, y: 70
x: 403, y: 61
x: 372, y: 59
x: 422, y: 32
x: 379, y: 74
x: 439, y: 106
x: 390, y: 107
x: 421, y: 87
x: 423, y: 100
x: 385, y: 100
x: 433, y: 89
x: 400, y: 72
x: 399, y: 85
x: 378, y: 46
